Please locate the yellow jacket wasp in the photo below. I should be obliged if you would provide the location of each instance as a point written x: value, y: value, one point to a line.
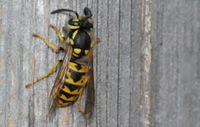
x: 77, y: 65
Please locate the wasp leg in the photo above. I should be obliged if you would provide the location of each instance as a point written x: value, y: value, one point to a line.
x: 98, y: 40
x: 44, y: 76
x: 50, y: 45
x: 95, y: 42
x: 79, y: 101
x: 58, y: 32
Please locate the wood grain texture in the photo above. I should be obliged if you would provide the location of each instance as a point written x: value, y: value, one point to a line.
x: 146, y: 67
x: 175, y: 64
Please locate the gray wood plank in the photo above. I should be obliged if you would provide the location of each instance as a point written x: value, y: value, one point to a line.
x: 188, y: 61
x: 112, y: 97
x: 124, y: 57
x: 101, y: 62
x: 3, y: 63
x: 136, y: 64
x: 175, y: 87
x: 146, y: 65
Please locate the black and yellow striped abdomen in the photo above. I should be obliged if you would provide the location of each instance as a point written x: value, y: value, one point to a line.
x: 75, y: 80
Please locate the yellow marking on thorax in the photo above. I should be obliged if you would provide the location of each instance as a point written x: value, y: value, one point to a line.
x: 91, y: 37
x: 74, y: 34
x: 86, y: 52
x: 77, y: 51
x: 90, y: 34
x: 83, y: 80
x: 69, y: 40
x: 75, y: 55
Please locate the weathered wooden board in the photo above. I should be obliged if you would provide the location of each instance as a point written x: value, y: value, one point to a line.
x: 146, y: 65
x: 175, y: 81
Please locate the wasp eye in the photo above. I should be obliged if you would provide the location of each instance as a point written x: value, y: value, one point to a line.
x: 75, y: 23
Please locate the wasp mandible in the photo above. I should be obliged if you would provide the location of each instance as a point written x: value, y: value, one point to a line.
x: 77, y: 65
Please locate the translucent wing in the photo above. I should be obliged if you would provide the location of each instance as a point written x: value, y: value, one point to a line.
x: 90, y: 97
x: 59, y: 80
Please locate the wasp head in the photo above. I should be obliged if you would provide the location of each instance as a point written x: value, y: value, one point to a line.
x: 78, y: 22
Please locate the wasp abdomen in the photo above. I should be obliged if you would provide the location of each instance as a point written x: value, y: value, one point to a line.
x: 75, y: 80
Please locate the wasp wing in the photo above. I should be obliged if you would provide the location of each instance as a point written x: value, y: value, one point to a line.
x: 59, y: 80
x: 90, y: 97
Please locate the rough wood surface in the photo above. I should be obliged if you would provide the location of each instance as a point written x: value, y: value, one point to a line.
x: 146, y: 65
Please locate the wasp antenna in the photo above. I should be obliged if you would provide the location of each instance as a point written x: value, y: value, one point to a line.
x: 62, y: 10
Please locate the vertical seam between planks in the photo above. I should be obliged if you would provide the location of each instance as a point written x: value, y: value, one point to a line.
x: 141, y: 60
x: 118, y: 57
x: 146, y: 60
x: 177, y: 71
x: 6, y: 63
x: 47, y: 58
x: 131, y: 47
x: 147, y: 63
x: 96, y: 61
x: 33, y: 122
x: 108, y: 17
x: 48, y: 35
